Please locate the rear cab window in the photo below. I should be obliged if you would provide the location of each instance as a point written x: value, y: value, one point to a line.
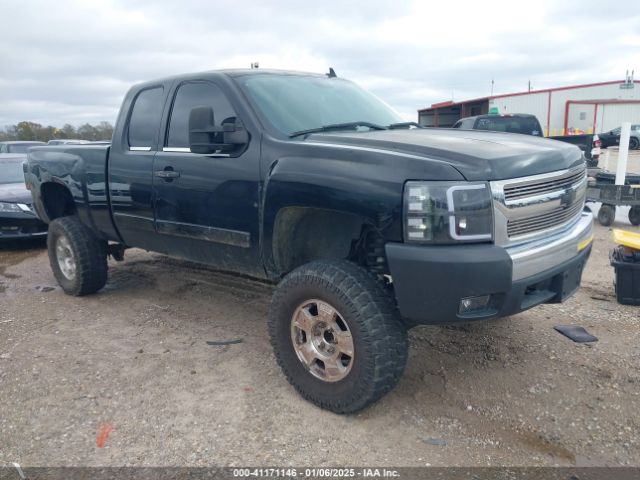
x: 523, y: 125
x: 144, y: 121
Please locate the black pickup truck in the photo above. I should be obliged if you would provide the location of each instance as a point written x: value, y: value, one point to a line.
x: 368, y: 224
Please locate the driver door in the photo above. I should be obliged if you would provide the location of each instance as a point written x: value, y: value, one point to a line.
x: 206, y: 205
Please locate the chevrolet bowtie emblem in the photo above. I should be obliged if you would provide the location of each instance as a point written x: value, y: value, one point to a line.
x: 568, y: 198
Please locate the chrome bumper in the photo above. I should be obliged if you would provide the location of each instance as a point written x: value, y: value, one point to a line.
x: 537, y: 256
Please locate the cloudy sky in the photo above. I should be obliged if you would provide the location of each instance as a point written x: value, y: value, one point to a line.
x: 72, y: 61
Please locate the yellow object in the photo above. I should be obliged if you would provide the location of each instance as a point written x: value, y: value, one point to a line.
x: 628, y: 239
x: 585, y: 243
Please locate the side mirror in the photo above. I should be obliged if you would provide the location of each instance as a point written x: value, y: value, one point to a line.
x: 206, y: 138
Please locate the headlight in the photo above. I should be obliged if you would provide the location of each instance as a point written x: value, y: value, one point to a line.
x: 447, y: 212
x: 9, y: 207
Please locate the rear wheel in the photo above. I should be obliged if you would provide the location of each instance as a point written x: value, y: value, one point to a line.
x: 634, y: 215
x: 337, y: 335
x: 77, y: 257
x: 606, y: 215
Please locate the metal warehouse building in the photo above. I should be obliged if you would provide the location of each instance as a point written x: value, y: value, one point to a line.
x: 589, y: 108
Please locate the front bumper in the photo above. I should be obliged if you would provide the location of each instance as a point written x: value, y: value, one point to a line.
x: 19, y: 225
x: 430, y: 281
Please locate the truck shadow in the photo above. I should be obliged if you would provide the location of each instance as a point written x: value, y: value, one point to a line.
x: 493, y: 381
x: 23, y: 245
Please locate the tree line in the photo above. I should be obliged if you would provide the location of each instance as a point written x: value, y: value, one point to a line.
x: 35, y: 131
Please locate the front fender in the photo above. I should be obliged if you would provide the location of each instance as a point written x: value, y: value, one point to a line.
x: 328, y: 185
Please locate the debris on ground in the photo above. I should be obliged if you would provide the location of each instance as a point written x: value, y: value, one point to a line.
x: 224, y: 342
x: 576, y: 333
x: 435, y: 441
x: 104, y: 430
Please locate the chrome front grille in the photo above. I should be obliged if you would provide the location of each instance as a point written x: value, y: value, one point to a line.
x: 550, y: 219
x: 532, y: 206
x: 529, y: 189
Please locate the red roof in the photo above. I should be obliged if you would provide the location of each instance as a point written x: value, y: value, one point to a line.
x: 544, y: 90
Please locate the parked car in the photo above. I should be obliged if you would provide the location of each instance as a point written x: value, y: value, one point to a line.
x: 17, y: 217
x: 612, y: 137
x: 66, y: 141
x: 368, y: 225
x: 17, y: 146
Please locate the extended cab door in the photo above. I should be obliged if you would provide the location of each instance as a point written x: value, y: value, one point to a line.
x: 206, y: 206
x: 131, y: 165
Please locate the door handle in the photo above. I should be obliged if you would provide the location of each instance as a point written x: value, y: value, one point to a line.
x: 167, y: 174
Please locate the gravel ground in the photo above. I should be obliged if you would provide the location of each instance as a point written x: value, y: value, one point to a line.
x: 134, y: 358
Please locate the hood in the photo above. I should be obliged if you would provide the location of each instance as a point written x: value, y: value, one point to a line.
x: 477, y: 155
x: 15, y: 193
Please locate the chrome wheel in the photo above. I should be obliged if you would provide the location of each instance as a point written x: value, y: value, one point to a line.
x: 66, y: 260
x: 322, y: 340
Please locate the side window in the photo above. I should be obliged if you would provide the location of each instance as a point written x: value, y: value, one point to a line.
x: 3, y: 148
x: 190, y: 95
x: 483, y: 124
x: 458, y: 124
x: 145, y: 119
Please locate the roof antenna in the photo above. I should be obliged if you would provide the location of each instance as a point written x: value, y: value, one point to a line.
x: 332, y: 73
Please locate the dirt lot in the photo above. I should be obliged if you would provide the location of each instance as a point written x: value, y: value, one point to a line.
x: 134, y: 357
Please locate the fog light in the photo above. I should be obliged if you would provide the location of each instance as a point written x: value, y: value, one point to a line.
x: 473, y: 304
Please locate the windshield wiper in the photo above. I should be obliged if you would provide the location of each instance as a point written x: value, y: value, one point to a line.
x: 393, y: 126
x: 337, y: 126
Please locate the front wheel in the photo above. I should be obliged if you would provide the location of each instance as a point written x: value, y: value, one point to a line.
x: 634, y: 143
x: 77, y: 257
x: 337, y: 335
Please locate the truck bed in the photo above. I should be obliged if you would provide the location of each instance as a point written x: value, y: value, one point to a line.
x: 82, y: 168
x: 583, y: 142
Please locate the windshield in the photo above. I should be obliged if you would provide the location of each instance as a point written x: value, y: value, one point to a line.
x: 292, y: 103
x: 11, y: 171
x: 22, y: 147
x: 525, y: 125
